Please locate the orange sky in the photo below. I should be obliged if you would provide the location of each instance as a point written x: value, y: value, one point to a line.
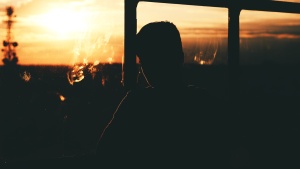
x: 69, y: 31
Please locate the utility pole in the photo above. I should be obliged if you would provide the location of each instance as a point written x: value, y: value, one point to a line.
x: 10, y: 55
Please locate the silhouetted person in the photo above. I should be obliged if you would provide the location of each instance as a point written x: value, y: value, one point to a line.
x: 166, y: 124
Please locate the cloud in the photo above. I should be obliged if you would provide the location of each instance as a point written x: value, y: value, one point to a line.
x: 277, y: 28
x: 288, y: 28
x: 15, y: 3
x: 203, y: 32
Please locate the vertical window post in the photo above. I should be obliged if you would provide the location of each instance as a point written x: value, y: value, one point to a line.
x: 129, y: 72
x: 233, y: 50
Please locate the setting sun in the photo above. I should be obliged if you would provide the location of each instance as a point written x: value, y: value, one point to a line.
x: 64, y: 21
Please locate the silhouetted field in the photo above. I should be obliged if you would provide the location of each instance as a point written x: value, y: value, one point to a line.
x: 43, y: 116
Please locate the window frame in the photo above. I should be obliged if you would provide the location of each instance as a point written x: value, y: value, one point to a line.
x: 129, y: 69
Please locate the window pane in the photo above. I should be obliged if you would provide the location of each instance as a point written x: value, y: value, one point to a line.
x: 269, y: 48
x: 270, y: 82
x: 204, y: 36
x: 203, y: 29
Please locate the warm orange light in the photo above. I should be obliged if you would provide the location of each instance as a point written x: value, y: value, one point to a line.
x: 26, y: 76
x: 62, y: 98
x: 110, y: 60
x: 64, y: 21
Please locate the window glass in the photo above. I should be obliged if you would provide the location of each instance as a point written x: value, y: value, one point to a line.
x: 204, y: 37
x: 269, y: 43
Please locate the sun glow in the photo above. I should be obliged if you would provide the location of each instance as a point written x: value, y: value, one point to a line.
x: 64, y: 21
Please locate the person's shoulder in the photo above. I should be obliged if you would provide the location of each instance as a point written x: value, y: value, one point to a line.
x: 139, y: 92
x: 138, y: 95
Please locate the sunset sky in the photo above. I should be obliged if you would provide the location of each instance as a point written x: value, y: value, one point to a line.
x: 69, y: 31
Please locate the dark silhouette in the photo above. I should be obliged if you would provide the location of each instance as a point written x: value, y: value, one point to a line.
x: 166, y: 124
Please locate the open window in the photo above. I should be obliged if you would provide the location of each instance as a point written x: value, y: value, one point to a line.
x: 269, y: 46
x: 204, y: 34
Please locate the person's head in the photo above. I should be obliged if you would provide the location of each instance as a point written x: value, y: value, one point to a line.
x: 159, y: 49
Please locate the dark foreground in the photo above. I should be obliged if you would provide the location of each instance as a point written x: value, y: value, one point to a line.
x: 47, y: 123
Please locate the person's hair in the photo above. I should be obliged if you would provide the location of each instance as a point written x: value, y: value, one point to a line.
x: 159, y: 42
